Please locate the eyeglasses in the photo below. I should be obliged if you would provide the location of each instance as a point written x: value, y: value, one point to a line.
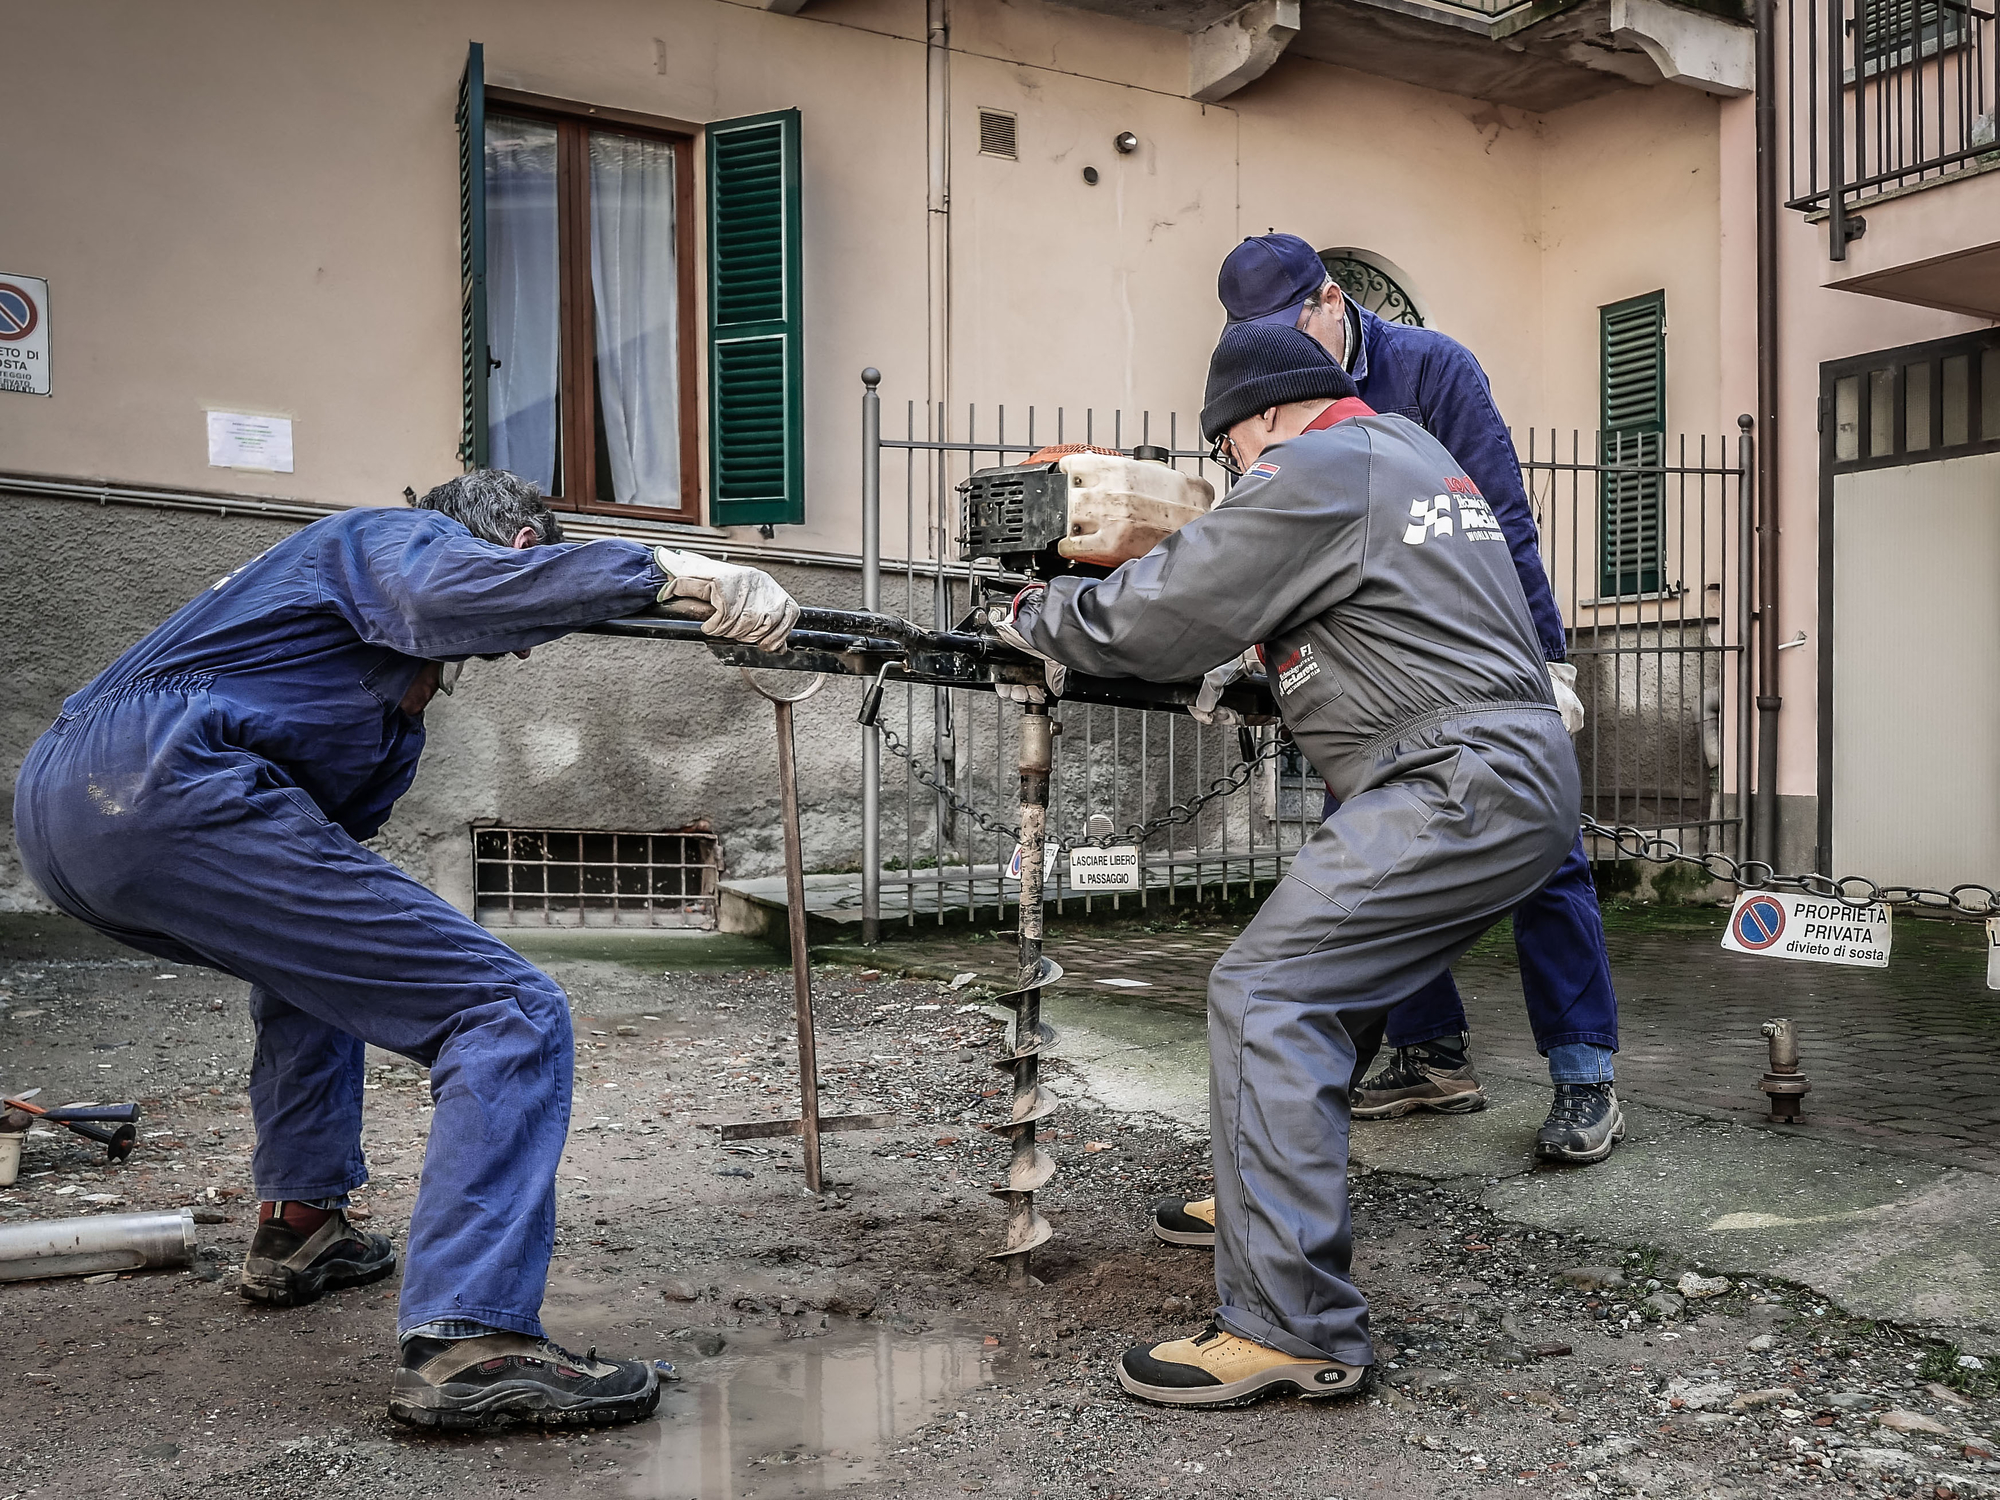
x: 1222, y: 453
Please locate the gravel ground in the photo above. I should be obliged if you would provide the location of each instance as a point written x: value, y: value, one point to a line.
x: 862, y: 1341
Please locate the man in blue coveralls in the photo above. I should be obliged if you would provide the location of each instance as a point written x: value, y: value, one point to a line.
x: 204, y: 799
x: 1434, y: 380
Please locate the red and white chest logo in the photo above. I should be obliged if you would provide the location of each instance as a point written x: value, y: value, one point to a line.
x: 1296, y: 668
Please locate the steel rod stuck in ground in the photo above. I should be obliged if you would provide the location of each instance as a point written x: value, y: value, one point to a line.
x: 1029, y: 1166
x: 810, y: 1124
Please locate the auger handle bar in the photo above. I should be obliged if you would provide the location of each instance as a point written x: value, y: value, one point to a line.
x: 863, y: 643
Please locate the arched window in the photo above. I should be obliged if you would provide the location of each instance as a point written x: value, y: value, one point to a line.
x: 1368, y: 280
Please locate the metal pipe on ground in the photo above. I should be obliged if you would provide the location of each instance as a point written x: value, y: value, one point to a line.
x: 90, y: 1246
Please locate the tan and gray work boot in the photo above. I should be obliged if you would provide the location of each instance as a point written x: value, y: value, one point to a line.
x: 1436, y: 1076
x: 301, y: 1251
x: 1185, y: 1221
x: 1219, y: 1368
x: 500, y: 1378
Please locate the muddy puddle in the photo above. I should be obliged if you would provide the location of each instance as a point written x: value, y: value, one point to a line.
x: 772, y: 1416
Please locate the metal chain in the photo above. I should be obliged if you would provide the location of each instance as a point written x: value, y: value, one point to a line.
x: 1968, y: 900
x: 1137, y: 833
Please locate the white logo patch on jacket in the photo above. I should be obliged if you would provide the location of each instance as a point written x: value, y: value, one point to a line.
x: 1428, y: 518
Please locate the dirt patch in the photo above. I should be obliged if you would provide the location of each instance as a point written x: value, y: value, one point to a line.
x: 863, y: 1342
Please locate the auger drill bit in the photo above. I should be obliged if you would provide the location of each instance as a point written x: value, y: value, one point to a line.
x: 1030, y: 1166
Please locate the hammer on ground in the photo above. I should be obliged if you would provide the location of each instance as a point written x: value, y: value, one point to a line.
x: 81, y: 1119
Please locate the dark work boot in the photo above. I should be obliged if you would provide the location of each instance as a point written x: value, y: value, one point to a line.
x: 1583, y: 1125
x: 301, y: 1251
x: 1435, y: 1075
x: 508, y: 1377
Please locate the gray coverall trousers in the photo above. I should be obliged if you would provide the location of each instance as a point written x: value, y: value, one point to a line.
x: 1461, y: 820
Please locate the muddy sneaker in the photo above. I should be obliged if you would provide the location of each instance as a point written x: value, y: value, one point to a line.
x: 1219, y: 1368
x: 1583, y: 1125
x: 508, y: 1377
x: 298, y: 1253
x: 1184, y: 1221
x: 1436, y: 1076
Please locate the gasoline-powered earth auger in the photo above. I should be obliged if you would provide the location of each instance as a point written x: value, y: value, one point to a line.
x: 1070, y: 510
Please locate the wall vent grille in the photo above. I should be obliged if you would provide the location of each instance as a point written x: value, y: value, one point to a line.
x: 568, y: 877
x: 996, y: 134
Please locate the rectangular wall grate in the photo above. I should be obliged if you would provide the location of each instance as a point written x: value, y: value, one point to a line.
x: 566, y: 877
x: 996, y: 134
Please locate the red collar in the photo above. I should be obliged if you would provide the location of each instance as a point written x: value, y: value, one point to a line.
x: 1340, y: 411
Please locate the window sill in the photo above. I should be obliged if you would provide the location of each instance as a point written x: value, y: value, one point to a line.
x: 1615, y: 601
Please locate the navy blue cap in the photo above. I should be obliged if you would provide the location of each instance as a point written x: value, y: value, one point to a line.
x: 1257, y: 365
x: 1268, y: 277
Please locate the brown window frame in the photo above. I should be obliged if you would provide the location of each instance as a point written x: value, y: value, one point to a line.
x: 576, y: 381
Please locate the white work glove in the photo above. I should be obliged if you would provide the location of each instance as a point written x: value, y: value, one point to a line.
x: 1562, y: 677
x: 1207, y: 706
x: 748, y: 604
x: 1053, y: 671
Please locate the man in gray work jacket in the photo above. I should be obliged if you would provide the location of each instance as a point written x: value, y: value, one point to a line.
x: 1367, y: 569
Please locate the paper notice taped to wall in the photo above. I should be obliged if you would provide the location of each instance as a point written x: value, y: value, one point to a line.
x: 1113, y: 869
x: 1993, y: 953
x: 1812, y: 928
x: 239, y: 440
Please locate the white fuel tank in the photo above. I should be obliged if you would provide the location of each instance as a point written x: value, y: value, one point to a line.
x: 1121, y: 507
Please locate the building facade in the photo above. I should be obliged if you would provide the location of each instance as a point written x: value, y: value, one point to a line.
x: 302, y: 260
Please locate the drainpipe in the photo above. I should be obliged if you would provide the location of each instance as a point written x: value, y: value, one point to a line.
x: 1768, y: 699
x: 937, y: 192
x: 937, y: 220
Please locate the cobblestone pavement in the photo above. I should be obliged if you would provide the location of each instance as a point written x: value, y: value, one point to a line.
x: 1907, y: 1058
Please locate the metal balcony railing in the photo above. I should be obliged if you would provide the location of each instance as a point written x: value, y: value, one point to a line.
x: 1886, y: 96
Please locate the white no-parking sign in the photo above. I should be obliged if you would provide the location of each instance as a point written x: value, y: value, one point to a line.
x: 1813, y: 928
x: 24, y: 334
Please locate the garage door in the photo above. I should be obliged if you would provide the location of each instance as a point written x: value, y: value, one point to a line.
x: 1916, y: 672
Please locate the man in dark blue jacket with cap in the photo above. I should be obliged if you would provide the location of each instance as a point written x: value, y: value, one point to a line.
x: 1558, y: 932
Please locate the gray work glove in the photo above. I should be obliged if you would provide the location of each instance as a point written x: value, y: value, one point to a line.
x: 1207, y: 706
x: 1053, y: 671
x: 1562, y: 677
x: 748, y: 604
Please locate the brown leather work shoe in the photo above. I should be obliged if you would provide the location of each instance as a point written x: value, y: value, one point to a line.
x: 289, y: 1264
x: 1414, y: 1079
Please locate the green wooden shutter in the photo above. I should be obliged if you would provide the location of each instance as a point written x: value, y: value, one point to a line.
x: 473, y: 351
x: 756, y: 387
x: 1631, y: 443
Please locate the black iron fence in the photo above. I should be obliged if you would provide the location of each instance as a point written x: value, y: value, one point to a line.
x: 1886, y: 95
x: 1645, y: 543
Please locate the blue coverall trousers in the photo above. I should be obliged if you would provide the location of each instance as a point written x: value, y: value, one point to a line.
x: 203, y: 854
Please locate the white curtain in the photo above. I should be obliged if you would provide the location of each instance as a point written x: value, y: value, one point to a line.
x: 633, y: 276
x: 521, y: 298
